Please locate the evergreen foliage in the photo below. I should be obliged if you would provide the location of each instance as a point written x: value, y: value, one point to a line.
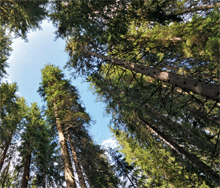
x: 155, y: 64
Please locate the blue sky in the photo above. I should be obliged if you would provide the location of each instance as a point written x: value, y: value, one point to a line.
x: 28, y: 58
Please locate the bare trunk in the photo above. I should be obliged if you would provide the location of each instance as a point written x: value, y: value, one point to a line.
x: 68, y: 170
x: 203, y: 115
x: 206, y: 89
x: 44, y: 180
x: 185, y: 133
x: 205, y: 76
x: 26, y: 172
x: 203, y: 7
x: 5, y: 151
x: 77, y: 164
x: 6, y: 174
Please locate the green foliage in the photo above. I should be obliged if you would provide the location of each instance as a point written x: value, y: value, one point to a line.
x: 21, y: 16
x: 5, y: 50
x: 57, y: 90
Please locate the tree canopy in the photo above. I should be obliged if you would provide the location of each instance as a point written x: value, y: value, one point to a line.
x: 155, y: 65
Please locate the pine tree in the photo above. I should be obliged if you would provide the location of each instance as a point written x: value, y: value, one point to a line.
x: 71, y: 119
x: 54, y: 88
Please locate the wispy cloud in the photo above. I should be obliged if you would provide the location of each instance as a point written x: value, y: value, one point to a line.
x: 109, y: 143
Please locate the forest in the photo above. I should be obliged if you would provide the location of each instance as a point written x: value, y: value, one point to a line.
x: 153, y: 63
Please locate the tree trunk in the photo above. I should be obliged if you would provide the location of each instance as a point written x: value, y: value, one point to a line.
x: 26, y: 173
x: 203, y: 7
x: 202, y: 115
x: 77, y: 164
x: 6, y: 174
x: 206, y: 89
x: 205, y: 76
x: 68, y: 170
x: 124, y: 171
x: 185, y: 133
x: 5, y: 152
x: 44, y: 186
x: 195, y: 162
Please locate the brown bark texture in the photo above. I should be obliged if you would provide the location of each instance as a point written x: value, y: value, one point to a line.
x: 206, y: 89
x: 5, y: 152
x: 202, y: 7
x: 6, y: 174
x: 68, y: 169
x: 27, y: 163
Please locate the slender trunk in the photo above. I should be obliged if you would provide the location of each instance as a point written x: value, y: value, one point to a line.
x: 26, y: 172
x: 202, y: 115
x: 68, y: 170
x: 44, y: 180
x: 188, y: 135
x: 205, y: 89
x: 77, y: 164
x: 125, y: 172
x: 5, y: 152
x: 203, y: 7
x: 195, y: 162
x: 6, y: 174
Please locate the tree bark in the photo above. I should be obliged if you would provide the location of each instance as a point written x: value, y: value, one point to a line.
x: 77, y: 164
x: 26, y: 172
x: 5, y: 152
x: 205, y: 76
x: 206, y: 89
x: 195, y: 162
x: 68, y: 170
x: 202, y: 7
x: 6, y: 174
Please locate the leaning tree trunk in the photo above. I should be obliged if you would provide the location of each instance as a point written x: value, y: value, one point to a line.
x: 26, y: 172
x: 206, y: 89
x: 6, y: 174
x: 5, y: 151
x: 202, y: 7
x: 68, y: 170
x: 77, y: 164
x: 194, y: 161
